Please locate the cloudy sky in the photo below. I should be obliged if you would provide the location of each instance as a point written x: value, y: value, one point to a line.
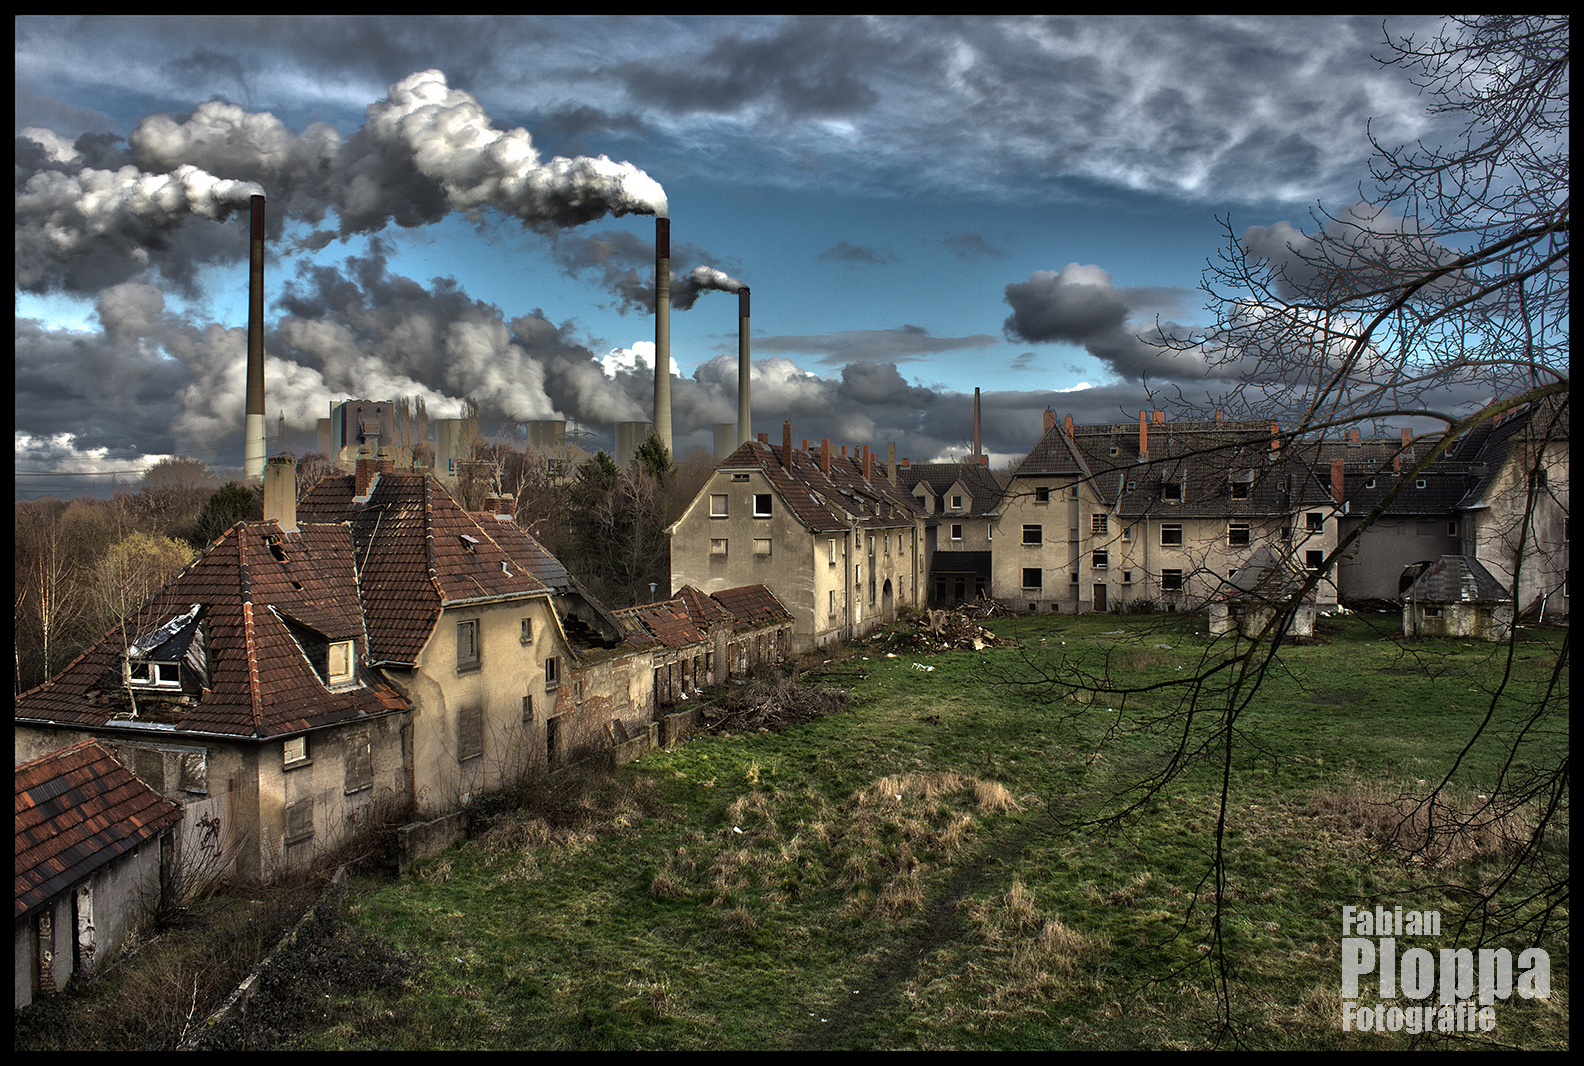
x: 461, y: 208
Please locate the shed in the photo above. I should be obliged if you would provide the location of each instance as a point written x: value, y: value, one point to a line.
x: 92, y: 844
x: 1258, y: 592
x: 1457, y: 597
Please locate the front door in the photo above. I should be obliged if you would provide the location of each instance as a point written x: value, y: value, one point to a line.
x: 1099, y: 597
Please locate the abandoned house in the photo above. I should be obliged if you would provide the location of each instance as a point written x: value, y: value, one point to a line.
x: 1101, y: 516
x: 833, y: 536
x: 962, y: 500
x: 94, y: 851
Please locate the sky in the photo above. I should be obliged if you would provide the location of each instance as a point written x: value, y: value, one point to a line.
x: 463, y: 208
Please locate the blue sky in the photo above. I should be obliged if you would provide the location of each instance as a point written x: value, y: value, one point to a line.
x: 921, y: 207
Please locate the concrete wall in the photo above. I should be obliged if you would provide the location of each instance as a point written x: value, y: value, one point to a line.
x: 1497, y: 535
x: 1373, y: 566
x: 1476, y: 621
x: 113, y: 902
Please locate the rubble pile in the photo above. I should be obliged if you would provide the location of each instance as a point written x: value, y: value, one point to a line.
x: 944, y: 630
x: 772, y: 705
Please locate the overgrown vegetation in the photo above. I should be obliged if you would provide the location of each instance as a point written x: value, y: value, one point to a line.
x: 922, y: 869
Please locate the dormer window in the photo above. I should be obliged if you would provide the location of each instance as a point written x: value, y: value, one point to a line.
x: 141, y: 673
x: 341, y: 663
x: 470, y: 544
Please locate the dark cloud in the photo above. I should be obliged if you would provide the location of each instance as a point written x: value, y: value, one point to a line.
x: 847, y: 252
x: 623, y: 264
x: 903, y: 344
x: 972, y: 246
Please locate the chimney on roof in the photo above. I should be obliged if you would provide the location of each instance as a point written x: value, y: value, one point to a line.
x: 805, y: 444
x: 502, y: 504
x: 1069, y: 427
x: 868, y: 463
x: 662, y: 356
x: 1407, y: 437
x: 1218, y: 416
x: 1275, y: 439
x: 764, y: 438
x: 891, y: 463
x: 1160, y: 418
x: 907, y: 462
x: 844, y: 451
x: 786, y: 443
x: 1353, y: 437
x: 825, y: 456
x: 1338, y: 489
x: 280, y: 492
x: 1397, y: 462
x: 984, y: 460
x: 1050, y: 419
x: 1143, y: 436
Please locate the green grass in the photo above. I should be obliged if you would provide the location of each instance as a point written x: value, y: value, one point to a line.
x: 933, y: 868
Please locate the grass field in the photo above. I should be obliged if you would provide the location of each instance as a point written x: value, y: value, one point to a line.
x: 933, y: 866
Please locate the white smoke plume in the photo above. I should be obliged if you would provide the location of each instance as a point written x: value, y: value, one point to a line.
x: 685, y: 291
x: 424, y: 150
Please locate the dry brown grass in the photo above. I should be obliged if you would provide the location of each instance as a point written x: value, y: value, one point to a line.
x: 1441, y: 829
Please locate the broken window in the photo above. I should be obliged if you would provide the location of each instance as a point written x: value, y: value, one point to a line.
x: 1238, y: 534
x: 1314, y: 521
x: 1097, y: 523
x: 1100, y: 560
x: 1033, y: 534
x: 1172, y: 492
x: 956, y: 532
x: 1171, y: 535
x: 762, y: 505
x: 1313, y: 559
x: 1171, y: 580
x: 1042, y: 495
x: 470, y: 733
x: 1033, y: 577
x: 552, y: 672
x: 526, y: 636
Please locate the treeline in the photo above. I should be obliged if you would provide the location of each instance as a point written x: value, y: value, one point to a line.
x: 83, y: 564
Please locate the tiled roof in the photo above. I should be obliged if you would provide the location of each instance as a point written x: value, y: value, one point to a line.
x: 1457, y: 578
x: 78, y: 809
x: 980, y: 483
x: 417, y: 552
x: 822, y: 502
x: 518, y: 543
x: 751, y: 605
x: 666, y: 622
x: 267, y: 600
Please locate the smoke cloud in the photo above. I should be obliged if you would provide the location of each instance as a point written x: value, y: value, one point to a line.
x: 424, y: 150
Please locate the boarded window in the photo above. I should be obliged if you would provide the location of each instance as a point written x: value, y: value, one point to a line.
x: 717, y: 506
x: 761, y: 546
x: 295, y: 750
x: 467, y: 645
x: 470, y: 733
x: 340, y: 662
x: 299, y: 821
x: 359, y: 762
x: 1097, y: 523
x: 717, y: 545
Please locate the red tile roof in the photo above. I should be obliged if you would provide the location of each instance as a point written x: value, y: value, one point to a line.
x: 266, y: 600
x: 821, y: 501
x: 78, y: 809
x: 751, y: 605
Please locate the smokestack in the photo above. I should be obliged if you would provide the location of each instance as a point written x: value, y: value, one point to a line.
x: 662, y: 397
x: 744, y: 404
x: 253, y: 427
x: 976, y: 420
x: 280, y: 493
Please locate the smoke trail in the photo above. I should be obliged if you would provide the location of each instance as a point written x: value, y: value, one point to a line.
x: 685, y: 291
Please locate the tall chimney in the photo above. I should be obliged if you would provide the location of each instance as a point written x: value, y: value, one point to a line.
x: 744, y: 373
x: 1069, y: 426
x: 1338, y: 488
x: 662, y: 397
x: 976, y: 420
x: 1275, y: 438
x: 825, y: 456
x: 253, y: 426
x: 280, y: 493
x: 891, y: 463
x: 1143, y: 436
x: 1050, y: 419
x: 868, y: 463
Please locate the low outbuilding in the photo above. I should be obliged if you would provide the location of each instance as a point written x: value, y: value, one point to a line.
x: 1455, y: 596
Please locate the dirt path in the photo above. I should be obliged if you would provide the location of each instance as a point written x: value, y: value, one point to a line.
x: 846, y: 1020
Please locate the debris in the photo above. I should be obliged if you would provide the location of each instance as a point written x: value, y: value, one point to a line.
x: 943, y: 630
x: 772, y: 705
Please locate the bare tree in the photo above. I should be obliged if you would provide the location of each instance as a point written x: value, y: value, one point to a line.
x: 1440, y: 297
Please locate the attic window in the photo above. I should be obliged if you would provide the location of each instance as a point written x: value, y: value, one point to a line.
x: 1420, y: 483
x: 1240, y: 490
x: 1172, y: 492
x: 739, y: 477
x: 340, y: 662
x: 145, y: 674
x: 275, y: 548
x: 1370, y: 483
x: 469, y: 543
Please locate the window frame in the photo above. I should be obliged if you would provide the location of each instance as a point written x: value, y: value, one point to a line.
x: 1172, y: 580
x: 764, y: 499
x: 469, y: 653
x: 1039, y: 577
x: 552, y: 673
x: 1171, y: 528
x: 1038, y: 532
x: 1239, y: 535
x: 724, y: 501
x: 1099, y: 525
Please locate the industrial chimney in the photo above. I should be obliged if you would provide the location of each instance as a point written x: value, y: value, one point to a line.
x: 744, y: 405
x: 253, y: 425
x: 976, y: 424
x: 662, y: 390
